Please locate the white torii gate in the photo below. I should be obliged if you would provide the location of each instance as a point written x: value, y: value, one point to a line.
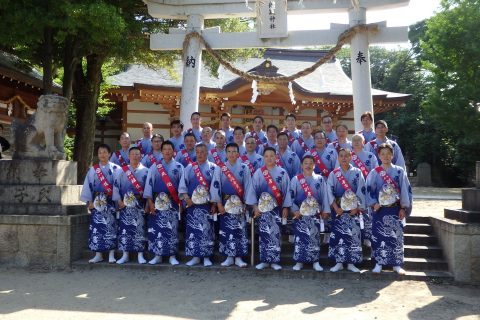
x: 196, y: 11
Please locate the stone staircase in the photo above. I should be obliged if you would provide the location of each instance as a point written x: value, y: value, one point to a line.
x: 423, y: 259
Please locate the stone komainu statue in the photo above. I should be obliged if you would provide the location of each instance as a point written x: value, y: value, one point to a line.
x: 41, y: 136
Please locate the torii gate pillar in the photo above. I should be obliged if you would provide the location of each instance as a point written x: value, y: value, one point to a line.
x: 192, y: 62
x: 360, y: 65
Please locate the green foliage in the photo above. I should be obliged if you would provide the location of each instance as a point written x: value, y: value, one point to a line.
x: 68, y: 146
x: 451, y: 53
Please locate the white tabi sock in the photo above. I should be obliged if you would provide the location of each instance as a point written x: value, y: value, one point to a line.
x: 173, y: 261
x: 317, y: 266
x: 367, y: 242
x: 228, y: 262
x: 298, y: 266
x: 262, y: 266
x: 291, y: 238
x: 352, y: 268
x: 193, y: 261
x: 124, y: 258
x: 276, y: 266
x: 98, y: 257
x: 111, y: 256
x: 399, y: 270
x: 239, y: 262
x: 155, y: 260
x: 337, y: 267
x: 377, y: 269
x: 141, y: 259
x: 207, y: 262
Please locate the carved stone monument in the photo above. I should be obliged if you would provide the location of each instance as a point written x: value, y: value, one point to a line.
x: 42, y: 135
x: 42, y: 221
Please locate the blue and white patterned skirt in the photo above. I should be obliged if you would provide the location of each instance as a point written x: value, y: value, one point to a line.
x: 199, y: 231
x: 233, y: 235
x: 131, y: 229
x: 387, y: 237
x: 307, y: 239
x: 162, y: 232
x: 102, y: 235
x: 269, y: 226
x: 345, y: 240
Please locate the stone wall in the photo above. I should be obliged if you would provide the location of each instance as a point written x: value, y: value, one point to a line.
x: 461, y: 246
x: 42, y: 241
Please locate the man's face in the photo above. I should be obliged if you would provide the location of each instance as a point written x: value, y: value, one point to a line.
x: 385, y: 155
x: 306, y: 130
x: 124, y: 141
x: 272, y: 135
x: 176, y: 130
x: 219, y: 139
x: 157, y: 144
x: 327, y: 124
x: 319, y: 140
x: 282, y: 141
x: 238, y: 137
x: 290, y: 122
x: 366, y: 122
x: 342, y: 133
x: 381, y: 130
x: 167, y: 152
x: 189, y: 142
x: 134, y: 156
x: 308, y: 165
x: 250, y: 144
x: 206, y: 134
x: 357, y: 143
x: 344, y: 157
x: 147, y: 129
x: 258, y: 124
x: 232, y: 154
x: 195, y: 120
x: 201, y: 153
x: 269, y: 157
x: 103, y: 155
x: 225, y: 122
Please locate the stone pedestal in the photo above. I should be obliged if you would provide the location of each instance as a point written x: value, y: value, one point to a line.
x: 42, y: 222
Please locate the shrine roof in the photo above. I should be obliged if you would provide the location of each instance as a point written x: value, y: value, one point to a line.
x: 329, y: 78
x: 13, y: 67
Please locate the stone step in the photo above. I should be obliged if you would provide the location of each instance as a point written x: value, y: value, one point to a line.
x: 419, y: 239
x: 417, y: 228
x: 43, y: 209
x: 286, y: 259
x: 418, y: 219
x: 286, y: 272
x: 420, y: 251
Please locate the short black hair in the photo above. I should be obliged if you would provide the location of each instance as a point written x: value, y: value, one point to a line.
x: 100, y: 146
x: 232, y: 144
x: 308, y: 157
x: 134, y: 148
x: 194, y: 113
x: 283, y: 133
x: 189, y: 134
x: 167, y: 143
x: 269, y: 149
x: 259, y: 117
x: 174, y: 122
x: 291, y: 115
x: 272, y: 126
x: 157, y: 135
x: 239, y: 128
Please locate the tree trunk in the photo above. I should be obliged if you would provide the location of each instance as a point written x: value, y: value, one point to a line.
x: 47, y: 59
x: 86, y: 90
x: 70, y: 61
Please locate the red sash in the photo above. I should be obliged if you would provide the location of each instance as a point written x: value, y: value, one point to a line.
x: 201, y: 179
x: 248, y: 163
x: 120, y: 159
x: 374, y: 145
x: 319, y: 163
x: 303, y: 144
x: 257, y: 138
x: 278, y: 160
x: 387, y: 178
x: 132, y: 179
x: 231, y: 178
x: 336, y: 145
x: 216, y: 158
x: 152, y: 159
x: 168, y: 182
x: 291, y: 138
x: 359, y: 164
x: 103, y: 180
x: 186, y: 156
x: 306, y: 188
x: 341, y: 178
x: 139, y: 145
x: 273, y: 186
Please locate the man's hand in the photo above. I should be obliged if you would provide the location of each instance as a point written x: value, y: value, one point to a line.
x: 221, y: 208
x: 121, y: 205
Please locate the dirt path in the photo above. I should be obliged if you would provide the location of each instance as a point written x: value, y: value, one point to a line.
x: 139, y: 294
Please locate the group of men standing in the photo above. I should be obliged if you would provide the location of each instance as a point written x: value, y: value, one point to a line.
x: 291, y: 181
